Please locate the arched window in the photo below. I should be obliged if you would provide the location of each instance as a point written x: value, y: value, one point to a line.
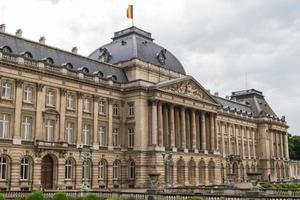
x: 192, y: 172
x: 242, y: 171
x: 69, y: 169
x: 27, y: 54
x: 116, y: 170
x: 100, y: 74
x: 103, y: 170
x: 211, y: 172
x: 3, y: 168
x: 131, y: 170
x: 6, y: 49
x: 202, y: 168
x: 24, y: 171
x: 180, y: 172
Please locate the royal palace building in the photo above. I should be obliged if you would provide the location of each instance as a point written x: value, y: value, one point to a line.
x: 132, y: 105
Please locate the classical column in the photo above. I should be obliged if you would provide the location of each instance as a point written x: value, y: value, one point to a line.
x: 286, y: 146
x: 253, y: 142
x: 222, y: 138
x: 212, y: 132
x: 229, y: 127
x: 177, y: 128
x: 62, y: 118
x: 216, y: 133
x: 236, y: 133
x: 193, y: 129
x: 79, y: 118
x: 110, y: 124
x: 40, y: 102
x: 18, y: 110
x: 281, y: 145
x: 248, y: 142
x: 172, y: 126
x: 271, y: 144
x: 242, y: 141
x: 166, y: 125
x: 154, y: 122
x: 203, y: 131
x: 182, y: 124
x: 95, y: 123
x: 188, y: 129
x: 198, y: 144
x: 160, y: 125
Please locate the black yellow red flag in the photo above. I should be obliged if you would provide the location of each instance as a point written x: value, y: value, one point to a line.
x: 130, y: 12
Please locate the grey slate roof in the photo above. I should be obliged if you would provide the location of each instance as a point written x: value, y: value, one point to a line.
x: 60, y: 57
x: 231, y: 105
x: 136, y: 43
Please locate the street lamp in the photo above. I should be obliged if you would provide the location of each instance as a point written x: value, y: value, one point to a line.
x: 86, y: 156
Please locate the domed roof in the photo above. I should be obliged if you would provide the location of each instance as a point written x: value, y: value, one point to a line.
x: 136, y: 43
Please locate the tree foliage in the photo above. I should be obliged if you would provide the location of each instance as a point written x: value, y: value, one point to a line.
x: 294, y: 147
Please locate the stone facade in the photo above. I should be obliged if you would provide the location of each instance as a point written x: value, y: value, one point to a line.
x: 48, y: 111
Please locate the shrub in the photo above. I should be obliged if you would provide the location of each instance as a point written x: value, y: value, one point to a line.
x: 1, y: 197
x: 60, y: 196
x: 20, y: 198
x: 193, y: 198
x: 91, y: 197
x: 36, y: 195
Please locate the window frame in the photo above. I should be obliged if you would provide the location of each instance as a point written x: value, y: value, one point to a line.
x: 25, y: 167
x: 47, y: 139
x: 48, y: 99
x: 115, y: 137
x: 26, y: 135
x: 102, y: 136
x: 5, y: 87
x: 5, y: 125
x: 131, y: 136
x: 69, y: 169
x: 28, y: 98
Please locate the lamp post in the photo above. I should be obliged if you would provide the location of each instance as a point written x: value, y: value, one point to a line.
x: 86, y: 156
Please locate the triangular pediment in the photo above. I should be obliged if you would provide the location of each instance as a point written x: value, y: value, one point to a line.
x: 188, y: 87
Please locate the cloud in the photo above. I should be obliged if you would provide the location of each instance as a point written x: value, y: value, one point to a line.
x: 218, y: 42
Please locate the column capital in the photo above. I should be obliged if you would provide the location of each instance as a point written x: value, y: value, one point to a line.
x: 19, y: 82
x: 96, y: 97
x: 40, y: 87
x: 63, y: 92
x: 80, y: 95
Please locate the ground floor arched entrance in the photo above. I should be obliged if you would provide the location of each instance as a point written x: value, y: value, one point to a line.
x: 47, y: 172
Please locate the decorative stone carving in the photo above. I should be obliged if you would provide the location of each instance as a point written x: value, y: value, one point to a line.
x: 161, y: 56
x: 105, y: 56
x: 187, y: 88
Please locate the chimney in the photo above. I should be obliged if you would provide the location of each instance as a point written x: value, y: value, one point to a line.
x: 2, y: 28
x: 42, y: 40
x: 19, y: 33
x: 75, y: 50
x: 217, y: 94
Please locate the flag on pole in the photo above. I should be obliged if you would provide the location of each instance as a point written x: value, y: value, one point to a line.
x: 130, y: 12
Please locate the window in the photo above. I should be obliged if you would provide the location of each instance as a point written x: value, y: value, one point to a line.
x: 116, y: 109
x: 6, y: 49
x: 131, y: 109
x: 131, y: 170
x: 87, y: 105
x: 116, y: 170
x: 50, y: 98
x: 86, y: 134
x: 130, y: 137
x: 49, y: 61
x: 6, y: 90
x: 102, y: 107
x: 70, y: 102
x: 70, y: 132
x: 103, y: 170
x: 68, y: 169
x: 3, y: 168
x: 49, y: 130
x: 4, y: 125
x: 115, y: 137
x: 102, y: 136
x: 26, y: 127
x: 28, y: 93
x: 27, y: 55
x: 24, y: 171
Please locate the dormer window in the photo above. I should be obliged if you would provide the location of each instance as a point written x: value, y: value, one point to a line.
x: 114, y: 77
x: 84, y: 70
x: 27, y: 55
x: 99, y: 74
x: 6, y: 49
x: 49, y: 61
x: 68, y: 65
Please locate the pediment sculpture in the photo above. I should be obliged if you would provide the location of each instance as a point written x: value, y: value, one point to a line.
x: 187, y: 88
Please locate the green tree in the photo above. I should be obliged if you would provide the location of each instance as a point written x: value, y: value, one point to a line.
x: 294, y: 146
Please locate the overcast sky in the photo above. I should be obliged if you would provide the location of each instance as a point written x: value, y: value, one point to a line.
x: 225, y: 45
